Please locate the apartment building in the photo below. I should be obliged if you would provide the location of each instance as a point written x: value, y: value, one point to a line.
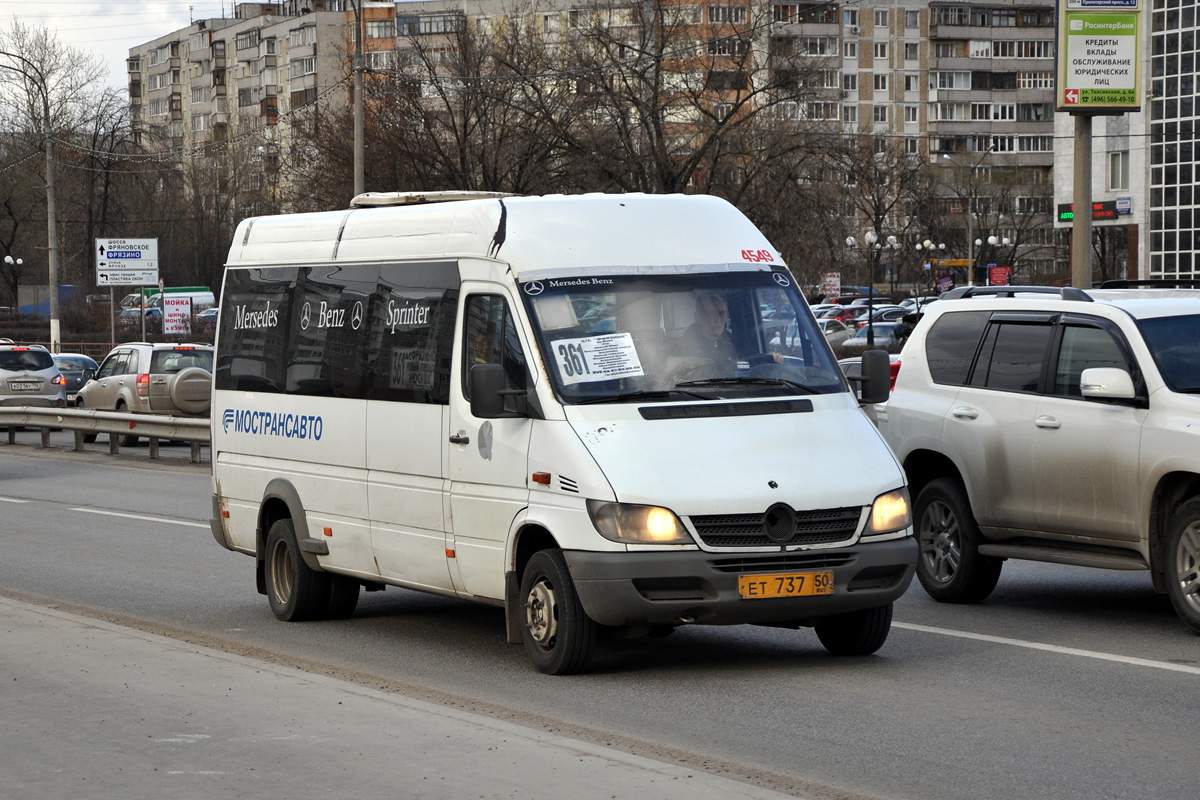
x: 967, y: 87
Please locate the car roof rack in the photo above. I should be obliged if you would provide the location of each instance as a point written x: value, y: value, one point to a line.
x: 1065, y: 292
x: 1151, y: 283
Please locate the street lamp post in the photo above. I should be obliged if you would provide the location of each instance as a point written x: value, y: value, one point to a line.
x: 873, y: 249
x: 51, y: 214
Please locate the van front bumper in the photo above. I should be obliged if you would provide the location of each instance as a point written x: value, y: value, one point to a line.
x: 665, y: 588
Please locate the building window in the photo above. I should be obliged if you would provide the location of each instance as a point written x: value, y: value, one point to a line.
x: 302, y: 66
x: 912, y: 82
x: 1035, y: 80
x: 880, y: 49
x: 849, y: 113
x: 912, y: 51
x: 785, y: 13
x: 879, y: 113
x: 728, y: 46
x: 911, y: 146
x: 1037, y: 49
x: 849, y: 49
x: 381, y: 28
x: 881, y: 18
x: 951, y: 15
x: 850, y: 17
x: 732, y: 15
x: 910, y: 114
x: 199, y: 94
x: 880, y: 81
x: 1118, y: 171
x: 850, y: 81
x: 912, y: 19
x: 298, y: 37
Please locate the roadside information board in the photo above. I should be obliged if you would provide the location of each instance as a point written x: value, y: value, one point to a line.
x: 1099, y: 55
x: 177, y: 315
x: 126, y: 262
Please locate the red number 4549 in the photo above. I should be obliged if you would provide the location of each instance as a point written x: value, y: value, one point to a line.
x: 757, y: 255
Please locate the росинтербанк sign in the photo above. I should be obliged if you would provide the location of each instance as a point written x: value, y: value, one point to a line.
x: 1099, y: 54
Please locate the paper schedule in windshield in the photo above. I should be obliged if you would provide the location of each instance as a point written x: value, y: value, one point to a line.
x: 597, y: 358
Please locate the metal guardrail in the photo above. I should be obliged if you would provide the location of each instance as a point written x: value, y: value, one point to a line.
x: 85, y: 420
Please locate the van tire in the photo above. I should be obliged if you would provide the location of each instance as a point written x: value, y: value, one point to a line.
x: 343, y: 597
x: 1183, y: 564
x: 295, y: 592
x: 856, y: 633
x: 558, y: 634
x: 949, y: 564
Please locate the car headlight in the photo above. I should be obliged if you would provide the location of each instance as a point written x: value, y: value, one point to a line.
x: 634, y: 524
x: 889, y: 513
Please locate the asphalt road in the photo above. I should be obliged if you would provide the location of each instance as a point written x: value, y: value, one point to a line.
x: 1067, y: 683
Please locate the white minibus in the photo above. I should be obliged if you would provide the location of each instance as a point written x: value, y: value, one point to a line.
x: 607, y: 414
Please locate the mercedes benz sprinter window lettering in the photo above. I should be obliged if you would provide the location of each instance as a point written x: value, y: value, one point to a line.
x: 608, y: 337
x: 412, y: 333
x: 253, y: 327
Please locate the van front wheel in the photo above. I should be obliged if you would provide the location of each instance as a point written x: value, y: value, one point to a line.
x: 559, y: 636
x: 295, y: 591
x: 856, y: 633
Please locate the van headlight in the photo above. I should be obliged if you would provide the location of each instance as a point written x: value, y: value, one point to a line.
x: 889, y: 513
x: 633, y: 524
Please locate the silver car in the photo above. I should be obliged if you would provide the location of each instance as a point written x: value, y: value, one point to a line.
x: 28, y: 377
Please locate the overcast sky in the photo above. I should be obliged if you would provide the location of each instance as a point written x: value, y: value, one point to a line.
x: 110, y: 28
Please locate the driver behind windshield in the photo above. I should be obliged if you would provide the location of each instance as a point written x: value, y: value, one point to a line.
x: 709, y: 338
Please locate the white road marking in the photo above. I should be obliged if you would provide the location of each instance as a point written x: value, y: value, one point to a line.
x: 1052, y: 648
x: 12, y: 500
x: 143, y: 517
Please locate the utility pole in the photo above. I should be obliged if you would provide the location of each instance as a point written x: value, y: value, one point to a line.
x: 359, y: 169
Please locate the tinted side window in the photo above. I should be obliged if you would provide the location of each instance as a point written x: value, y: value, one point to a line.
x: 252, y: 342
x: 412, y: 333
x: 1016, y: 358
x: 490, y: 337
x: 328, y: 331
x: 951, y: 343
x: 1083, y: 348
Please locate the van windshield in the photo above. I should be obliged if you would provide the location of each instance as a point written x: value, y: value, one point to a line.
x: 671, y: 337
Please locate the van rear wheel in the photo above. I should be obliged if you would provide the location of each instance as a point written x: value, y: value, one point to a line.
x: 343, y: 597
x: 856, y: 633
x: 294, y: 591
x: 558, y: 634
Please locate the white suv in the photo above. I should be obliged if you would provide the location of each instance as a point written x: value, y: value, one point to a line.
x: 1056, y: 425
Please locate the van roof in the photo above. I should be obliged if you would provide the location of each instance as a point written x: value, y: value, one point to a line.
x: 556, y: 234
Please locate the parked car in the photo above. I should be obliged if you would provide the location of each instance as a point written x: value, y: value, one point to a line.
x: 885, y: 338
x: 28, y: 377
x: 143, y: 378
x: 77, y: 369
x: 918, y: 303
x: 129, y: 321
x: 206, y: 320
x: 1056, y: 425
x: 843, y: 313
x: 884, y: 314
x: 835, y: 331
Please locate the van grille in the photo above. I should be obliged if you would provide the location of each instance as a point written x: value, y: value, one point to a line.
x: 819, y: 526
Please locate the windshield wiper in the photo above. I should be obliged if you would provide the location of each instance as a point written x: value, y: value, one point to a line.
x: 641, y: 394
x: 733, y: 381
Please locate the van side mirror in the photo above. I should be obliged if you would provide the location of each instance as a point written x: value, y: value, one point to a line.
x: 877, y: 377
x: 487, y: 383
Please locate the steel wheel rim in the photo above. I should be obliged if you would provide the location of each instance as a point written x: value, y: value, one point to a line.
x: 541, y: 613
x: 940, y: 542
x: 281, y: 573
x: 1187, y: 566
